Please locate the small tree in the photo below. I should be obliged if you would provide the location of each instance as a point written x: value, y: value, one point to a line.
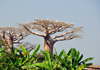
x: 52, y: 27
x: 12, y: 35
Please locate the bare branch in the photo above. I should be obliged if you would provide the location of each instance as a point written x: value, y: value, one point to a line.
x: 28, y: 46
x: 62, y: 34
x: 16, y: 36
x: 18, y: 40
x: 59, y: 27
x: 67, y: 38
x: 32, y: 31
x: 70, y: 32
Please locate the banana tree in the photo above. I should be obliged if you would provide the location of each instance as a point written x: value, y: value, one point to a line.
x: 17, y: 59
x: 5, y: 63
x: 76, y: 59
x: 48, y: 63
x: 72, y: 60
x: 25, y: 59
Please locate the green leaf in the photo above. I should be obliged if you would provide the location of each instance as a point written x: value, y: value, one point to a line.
x: 55, y: 51
x: 63, y: 68
x: 72, y: 68
x: 88, y: 59
x: 73, y: 53
x: 69, y: 52
x: 76, y: 59
x: 28, y: 52
x: 0, y: 42
x: 16, y: 63
x: 77, y: 55
x: 49, y: 60
x: 40, y: 65
x: 80, y: 67
x: 28, y: 66
x: 75, y: 63
x: 80, y: 58
x: 31, y: 60
x: 20, y: 62
x: 88, y: 64
x: 19, y: 52
x: 12, y: 49
x: 60, y: 60
x: 23, y: 49
x: 25, y: 61
x: 46, y: 58
x: 54, y: 64
x: 2, y: 53
x: 64, y: 55
x: 36, y: 50
x: 61, y: 53
x: 15, y: 51
x: 2, y: 49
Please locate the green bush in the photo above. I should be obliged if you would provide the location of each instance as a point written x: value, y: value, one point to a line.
x: 72, y: 60
x: 23, y: 61
x: 17, y: 59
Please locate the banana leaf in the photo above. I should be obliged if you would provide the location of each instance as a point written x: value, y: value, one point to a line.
x: 36, y: 50
x: 2, y: 49
x: 55, y: 51
x: 28, y: 66
x: 46, y: 57
x: 0, y: 42
x: 88, y: 59
x: 23, y: 49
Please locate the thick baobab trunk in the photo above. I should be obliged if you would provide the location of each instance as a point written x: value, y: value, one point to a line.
x: 48, y: 43
x: 10, y: 44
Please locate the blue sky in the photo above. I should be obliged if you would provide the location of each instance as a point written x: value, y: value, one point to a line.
x: 79, y: 12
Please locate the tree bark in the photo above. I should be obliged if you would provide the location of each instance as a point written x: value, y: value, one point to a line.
x: 10, y: 44
x: 48, y: 44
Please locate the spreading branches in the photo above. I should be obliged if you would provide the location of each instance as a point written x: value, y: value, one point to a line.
x: 18, y: 40
x: 28, y: 29
x: 52, y: 27
x: 14, y: 34
x: 67, y: 38
x: 69, y: 32
x: 47, y: 26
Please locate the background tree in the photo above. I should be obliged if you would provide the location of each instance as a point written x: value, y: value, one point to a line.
x: 51, y: 27
x: 28, y: 46
x: 12, y: 35
x: 3, y: 42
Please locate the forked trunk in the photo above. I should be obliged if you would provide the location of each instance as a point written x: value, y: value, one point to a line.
x: 48, y: 44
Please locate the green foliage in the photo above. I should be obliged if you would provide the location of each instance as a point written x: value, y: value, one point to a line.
x: 23, y: 61
x: 36, y: 50
x: 48, y: 63
x: 0, y: 42
x: 23, y: 49
x: 2, y: 49
x: 17, y: 59
x: 72, y: 60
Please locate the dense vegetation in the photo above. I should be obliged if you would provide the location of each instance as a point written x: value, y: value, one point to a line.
x: 18, y: 60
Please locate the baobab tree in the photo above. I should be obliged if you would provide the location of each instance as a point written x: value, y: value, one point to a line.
x: 3, y: 42
x: 51, y: 27
x: 12, y: 35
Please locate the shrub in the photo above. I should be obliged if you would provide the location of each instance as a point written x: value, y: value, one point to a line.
x: 23, y: 61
